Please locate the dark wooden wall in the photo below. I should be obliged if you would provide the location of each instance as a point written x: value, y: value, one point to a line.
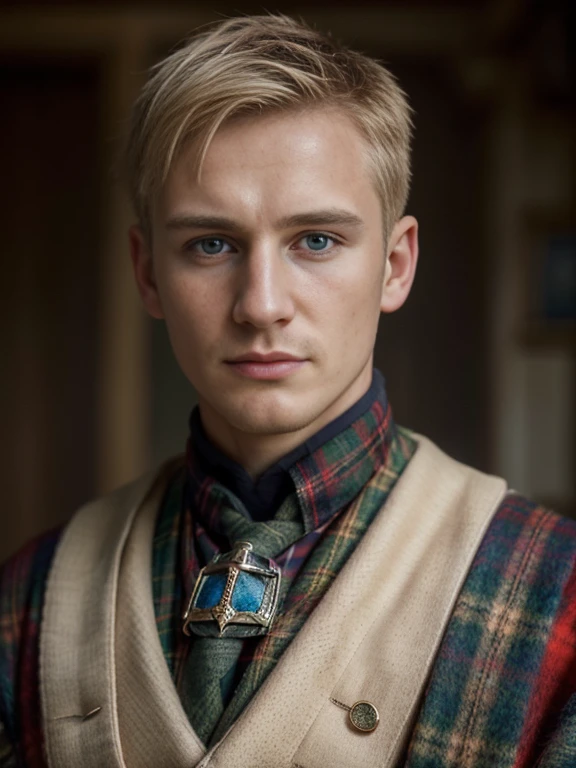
x: 49, y: 220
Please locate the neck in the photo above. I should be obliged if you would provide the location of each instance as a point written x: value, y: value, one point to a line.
x: 254, y: 452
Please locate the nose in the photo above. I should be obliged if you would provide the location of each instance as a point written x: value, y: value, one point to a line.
x: 263, y: 295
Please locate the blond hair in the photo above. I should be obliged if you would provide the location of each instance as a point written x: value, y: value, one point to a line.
x: 257, y: 65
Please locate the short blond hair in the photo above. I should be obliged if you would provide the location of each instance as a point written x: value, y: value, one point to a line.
x: 256, y: 65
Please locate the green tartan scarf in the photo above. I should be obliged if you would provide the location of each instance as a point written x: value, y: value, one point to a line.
x: 211, y: 668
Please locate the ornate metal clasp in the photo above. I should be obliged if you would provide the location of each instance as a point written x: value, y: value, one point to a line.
x: 235, y: 595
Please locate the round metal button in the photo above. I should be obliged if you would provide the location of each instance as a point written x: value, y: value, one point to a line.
x: 364, y: 716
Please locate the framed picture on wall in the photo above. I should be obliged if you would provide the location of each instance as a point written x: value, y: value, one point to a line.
x: 549, y: 270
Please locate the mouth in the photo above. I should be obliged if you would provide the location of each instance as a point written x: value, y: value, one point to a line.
x: 269, y: 357
x: 270, y: 366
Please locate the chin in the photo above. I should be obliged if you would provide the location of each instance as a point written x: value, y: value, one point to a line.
x: 276, y: 424
x: 270, y: 417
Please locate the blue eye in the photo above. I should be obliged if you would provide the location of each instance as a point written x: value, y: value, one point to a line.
x: 317, y: 241
x: 211, y: 246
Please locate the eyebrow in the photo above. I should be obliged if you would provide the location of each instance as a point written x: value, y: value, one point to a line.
x: 189, y: 221
x: 325, y: 217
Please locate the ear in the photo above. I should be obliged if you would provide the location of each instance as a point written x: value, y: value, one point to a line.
x: 401, y: 260
x: 143, y: 266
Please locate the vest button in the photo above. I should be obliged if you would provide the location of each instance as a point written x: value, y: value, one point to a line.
x: 364, y: 716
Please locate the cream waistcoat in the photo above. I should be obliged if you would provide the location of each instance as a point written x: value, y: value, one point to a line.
x: 107, y: 697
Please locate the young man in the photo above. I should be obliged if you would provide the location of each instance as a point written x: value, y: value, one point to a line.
x: 365, y: 600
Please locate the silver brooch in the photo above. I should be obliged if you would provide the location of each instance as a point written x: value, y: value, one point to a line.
x: 235, y: 595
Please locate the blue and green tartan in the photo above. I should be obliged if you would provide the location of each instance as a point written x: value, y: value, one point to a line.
x: 487, y: 702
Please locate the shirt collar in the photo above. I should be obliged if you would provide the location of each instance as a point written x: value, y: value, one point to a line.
x: 332, y: 475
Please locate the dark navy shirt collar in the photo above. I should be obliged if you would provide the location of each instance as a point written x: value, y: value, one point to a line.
x: 263, y: 496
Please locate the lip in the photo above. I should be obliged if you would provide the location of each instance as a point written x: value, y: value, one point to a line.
x: 266, y: 367
x: 268, y: 357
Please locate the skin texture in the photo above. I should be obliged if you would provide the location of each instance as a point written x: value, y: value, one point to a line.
x: 253, y: 282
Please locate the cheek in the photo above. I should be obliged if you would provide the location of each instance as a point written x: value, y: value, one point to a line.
x: 350, y: 300
x: 190, y: 312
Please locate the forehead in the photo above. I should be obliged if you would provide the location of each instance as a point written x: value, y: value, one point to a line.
x: 274, y: 165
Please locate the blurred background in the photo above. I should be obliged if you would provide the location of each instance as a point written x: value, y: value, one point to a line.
x: 482, y: 357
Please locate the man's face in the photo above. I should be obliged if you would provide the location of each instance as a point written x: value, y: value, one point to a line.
x: 269, y: 272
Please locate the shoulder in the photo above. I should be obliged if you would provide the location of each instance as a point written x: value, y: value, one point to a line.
x: 512, y: 631
x: 524, y: 526
x: 525, y: 566
x: 22, y: 585
x: 23, y: 577
x: 22, y: 580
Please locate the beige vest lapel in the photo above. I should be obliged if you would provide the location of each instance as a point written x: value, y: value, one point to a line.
x: 373, y: 636
x: 78, y: 674
x: 154, y: 729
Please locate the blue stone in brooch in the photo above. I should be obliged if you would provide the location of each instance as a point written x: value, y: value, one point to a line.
x: 235, y: 595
